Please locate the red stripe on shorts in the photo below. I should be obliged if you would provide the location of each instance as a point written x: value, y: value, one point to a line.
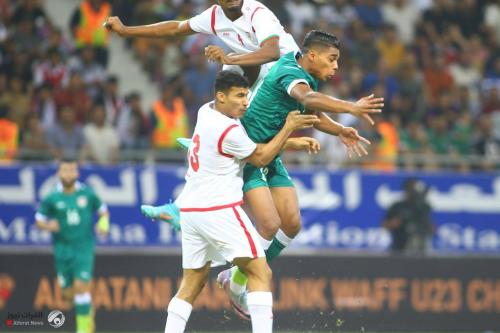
x: 207, y: 209
x: 249, y: 237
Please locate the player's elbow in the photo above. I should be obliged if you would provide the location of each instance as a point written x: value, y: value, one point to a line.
x: 309, y: 100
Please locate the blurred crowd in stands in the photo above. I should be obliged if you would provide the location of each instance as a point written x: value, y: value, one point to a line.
x: 437, y: 63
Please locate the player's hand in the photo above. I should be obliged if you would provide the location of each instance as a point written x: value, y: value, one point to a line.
x: 52, y: 226
x: 352, y: 140
x: 296, y: 121
x: 306, y: 143
x: 366, y: 106
x: 216, y: 54
x: 113, y: 23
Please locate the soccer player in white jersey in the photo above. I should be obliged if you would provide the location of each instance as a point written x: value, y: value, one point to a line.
x: 214, y: 227
x: 247, y: 27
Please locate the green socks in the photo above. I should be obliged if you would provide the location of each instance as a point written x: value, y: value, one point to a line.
x: 274, y: 249
x: 279, y: 242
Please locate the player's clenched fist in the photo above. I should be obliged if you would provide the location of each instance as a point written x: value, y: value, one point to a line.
x: 113, y: 23
x: 295, y: 120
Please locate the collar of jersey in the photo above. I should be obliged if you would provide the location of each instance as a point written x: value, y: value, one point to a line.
x: 59, y: 186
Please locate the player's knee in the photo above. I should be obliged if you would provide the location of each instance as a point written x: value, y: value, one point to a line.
x: 292, y: 225
x: 268, y: 226
x: 68, y: 294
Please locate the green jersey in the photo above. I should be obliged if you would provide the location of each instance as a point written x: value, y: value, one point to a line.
x: 269, y: 108
x: 74, y: 212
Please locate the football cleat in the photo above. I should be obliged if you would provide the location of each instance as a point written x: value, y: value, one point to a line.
x: 238, y: 302
x: 167, y: 213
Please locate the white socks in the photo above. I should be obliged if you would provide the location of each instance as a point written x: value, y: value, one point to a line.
x: 260, y: 306
x: 178, y: 315
x: 264, y: 242
x: 282, y: 238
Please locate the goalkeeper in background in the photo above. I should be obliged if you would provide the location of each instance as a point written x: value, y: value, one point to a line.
x: 68, y: 212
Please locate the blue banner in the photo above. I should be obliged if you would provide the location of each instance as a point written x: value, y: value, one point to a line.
x: 340, y: 209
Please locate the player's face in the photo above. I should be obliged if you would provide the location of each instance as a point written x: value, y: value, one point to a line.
x: 232, y: 6
x: 236, y: 102
x: 68, y: 173
x: 325, y: 63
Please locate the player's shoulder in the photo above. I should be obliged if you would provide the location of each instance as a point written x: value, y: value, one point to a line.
x: 85, y: 189
x: 250, y: 6
x: 287, y: 64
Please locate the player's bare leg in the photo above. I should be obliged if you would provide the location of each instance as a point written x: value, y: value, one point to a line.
x: 83, y: 307
x: 287, y: 204
x: 260, y: 206
x: 180, y: 306
x: 259, y: 297
x: 68, y: 294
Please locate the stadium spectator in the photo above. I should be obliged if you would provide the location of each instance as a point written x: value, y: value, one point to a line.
x: 133, y: 126
x: 112, y: 101
x: 34, y: 139
x: 44, y: 106
x: 102, y: 141
x: 9, y: 135
x: 169, y: 117
x: 65, y: 138
x: 75, y: 96
x: 18, y: 99
x: 92, y: 72
x: 86, y: 27
x: 52, y: 71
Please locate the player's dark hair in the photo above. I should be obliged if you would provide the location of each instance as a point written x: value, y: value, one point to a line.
x: 67, y: 159
x: 228, y: 79
x: 318, y: 38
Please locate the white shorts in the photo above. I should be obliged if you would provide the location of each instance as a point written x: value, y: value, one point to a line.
x: 218, y: 236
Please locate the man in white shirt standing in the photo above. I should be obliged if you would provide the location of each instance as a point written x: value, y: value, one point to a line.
x: 247, y: 27
x: 215, y: 229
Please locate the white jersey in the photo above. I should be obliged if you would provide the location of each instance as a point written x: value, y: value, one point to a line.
x: 215, y: 174
x: 248, y: 32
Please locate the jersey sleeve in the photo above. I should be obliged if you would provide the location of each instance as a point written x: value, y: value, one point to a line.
x: 202, y: 22
x: 236, y: 142
x: 45, y: 210
x: 265, y: 24
x: 290, y: 77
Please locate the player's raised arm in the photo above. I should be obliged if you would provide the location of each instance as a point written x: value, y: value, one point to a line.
x: 348, y: 135
x: 265, y: 153
x: 161, y: 29
x: 268, y: 52
x: 314, y: 100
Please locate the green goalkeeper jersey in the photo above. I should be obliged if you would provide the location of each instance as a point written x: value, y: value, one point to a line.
x: 75, y: 213
x: 269, y: 108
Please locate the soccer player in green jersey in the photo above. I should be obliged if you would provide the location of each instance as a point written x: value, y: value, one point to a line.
x: 68, y: 213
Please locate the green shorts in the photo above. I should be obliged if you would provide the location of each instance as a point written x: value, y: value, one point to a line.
x: 73, y: 263
x: 272, y: 175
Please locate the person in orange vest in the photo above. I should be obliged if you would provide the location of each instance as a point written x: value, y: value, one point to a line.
x: 9, y: 136
x: 87, y: 29
x: 169, y: 119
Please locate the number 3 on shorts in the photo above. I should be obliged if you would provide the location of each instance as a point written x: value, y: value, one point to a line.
x: 193, y: 158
